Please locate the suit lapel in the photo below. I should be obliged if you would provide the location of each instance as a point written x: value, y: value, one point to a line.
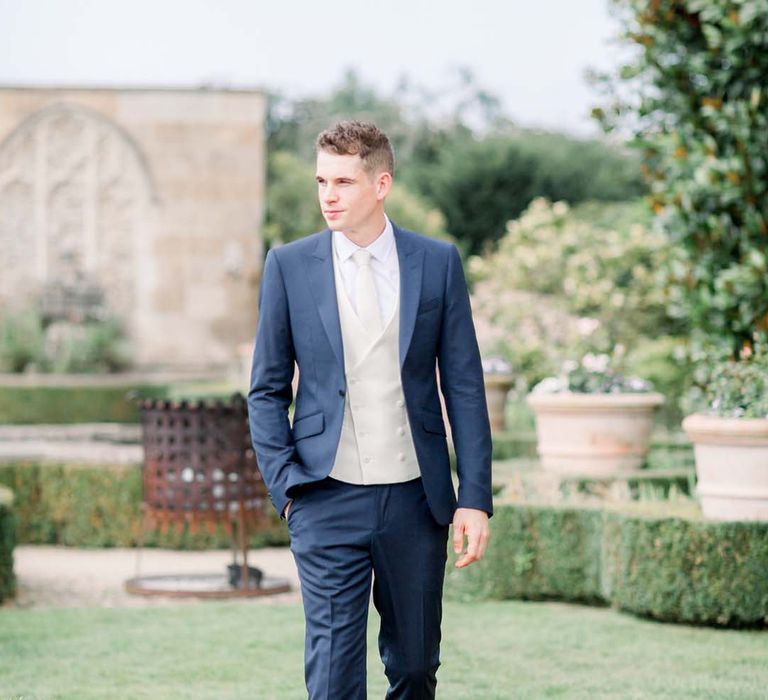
x: 323, y: 286
x: 411, y: 260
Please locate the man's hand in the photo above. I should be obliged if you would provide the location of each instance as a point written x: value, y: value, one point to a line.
x: 474, y: 524
x: 286, y: 509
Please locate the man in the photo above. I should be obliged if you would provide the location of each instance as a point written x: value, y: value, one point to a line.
x: 367, y: 310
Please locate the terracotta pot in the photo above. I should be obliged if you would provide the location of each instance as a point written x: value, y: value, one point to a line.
x: 593, y: 434
x: 497, y: 387
x: 731, y: 466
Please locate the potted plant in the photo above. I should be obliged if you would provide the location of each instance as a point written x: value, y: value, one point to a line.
x: 730, y: 439
x: 498, y: 379
x: 591, y: 420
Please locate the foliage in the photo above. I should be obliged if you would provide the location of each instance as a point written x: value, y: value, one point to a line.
x: 7, y: 543
x: 98, y: 506
x: 454, y: 147
x: 698, y: 112
x: 292, y: 206
x: 409, y: 210
x: 27, y: 342
x: 34, y: 404
x: 418, y: 121
x: 594, y: 374
x: 481, y: 183
x: 739, y: 388
x: 568, y: 281
x: 670, y: 568
x: 22, y: 339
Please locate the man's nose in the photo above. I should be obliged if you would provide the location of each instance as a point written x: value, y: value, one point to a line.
x: 330, y: 194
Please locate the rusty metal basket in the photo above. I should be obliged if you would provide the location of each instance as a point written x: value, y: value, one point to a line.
x: 200, y: 471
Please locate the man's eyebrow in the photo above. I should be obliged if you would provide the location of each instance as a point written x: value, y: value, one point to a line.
x: 341, y: 177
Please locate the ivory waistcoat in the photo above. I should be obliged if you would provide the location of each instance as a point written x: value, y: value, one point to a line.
x: 376, y: 445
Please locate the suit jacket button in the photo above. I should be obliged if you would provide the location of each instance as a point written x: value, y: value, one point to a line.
x: 342, y: 392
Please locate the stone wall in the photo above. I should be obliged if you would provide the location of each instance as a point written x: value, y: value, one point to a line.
x: 142, y: 203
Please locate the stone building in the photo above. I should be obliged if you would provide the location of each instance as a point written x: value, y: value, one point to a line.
x: 143, y: 203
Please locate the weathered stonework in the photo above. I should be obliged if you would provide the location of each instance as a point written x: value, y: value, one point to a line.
x: 144, y: 203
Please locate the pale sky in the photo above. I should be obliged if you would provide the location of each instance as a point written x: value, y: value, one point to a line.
x: 531, y: 54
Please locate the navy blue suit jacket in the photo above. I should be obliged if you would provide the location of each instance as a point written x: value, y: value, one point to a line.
x: 299, y: 320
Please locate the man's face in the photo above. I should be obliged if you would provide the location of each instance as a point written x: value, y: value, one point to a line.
x: 350, y: 198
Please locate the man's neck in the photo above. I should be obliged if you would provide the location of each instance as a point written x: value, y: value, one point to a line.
x: 367, y: 234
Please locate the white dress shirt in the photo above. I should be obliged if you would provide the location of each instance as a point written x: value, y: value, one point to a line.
x: 384, y: 266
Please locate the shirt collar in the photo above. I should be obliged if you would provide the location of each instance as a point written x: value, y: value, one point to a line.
x: 380, y: 249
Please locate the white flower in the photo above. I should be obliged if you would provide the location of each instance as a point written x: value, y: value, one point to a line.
x: 586, y: 326
x: 595, y: 363
x: 637, y: 384
x: 550, y: 385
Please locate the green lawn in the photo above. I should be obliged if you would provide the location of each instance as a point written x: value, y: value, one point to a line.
x: 238, y: 651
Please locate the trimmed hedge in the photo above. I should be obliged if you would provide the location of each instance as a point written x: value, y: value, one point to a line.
x: 99, y: 506
x: 7, y: 542
x: 675, y: 569
x: 74, y: 404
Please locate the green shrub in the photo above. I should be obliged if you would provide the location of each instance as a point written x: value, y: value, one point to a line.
x: 687, y: 571
x: 694, y: 96
x: 30, y: 341
x: 565, y: 281
x: 74, y: 404
x: 7, y: 542
x: 672, y: 568
x: 536, y: 553
x: 22, y: 338
x: 99, y: 506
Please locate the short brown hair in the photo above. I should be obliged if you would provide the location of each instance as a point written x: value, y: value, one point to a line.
x: 349, y: 138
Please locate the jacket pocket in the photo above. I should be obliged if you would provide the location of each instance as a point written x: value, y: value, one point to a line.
x: 309, y: 425
x: 433, y: 423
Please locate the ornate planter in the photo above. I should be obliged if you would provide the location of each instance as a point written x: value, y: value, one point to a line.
x: 593, y: 434
x: 731, y: 466
x: 497, y: 387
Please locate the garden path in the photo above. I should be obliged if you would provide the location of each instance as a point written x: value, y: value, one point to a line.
x: 59, y: 576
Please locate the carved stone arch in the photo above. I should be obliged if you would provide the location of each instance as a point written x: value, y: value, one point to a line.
x: 76, y: 200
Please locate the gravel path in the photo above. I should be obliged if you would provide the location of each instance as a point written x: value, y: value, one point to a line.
x: 58, y: 576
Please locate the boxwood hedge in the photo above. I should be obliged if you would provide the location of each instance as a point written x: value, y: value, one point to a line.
x: 679, y: 569
x: 99, y: 506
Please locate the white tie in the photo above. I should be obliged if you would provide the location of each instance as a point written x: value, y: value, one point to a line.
x: 366, y: 298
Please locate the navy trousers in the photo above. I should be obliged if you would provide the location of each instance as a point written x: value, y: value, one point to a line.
x: 341, y: 535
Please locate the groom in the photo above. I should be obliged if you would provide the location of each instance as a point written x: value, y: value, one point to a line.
x: 362, y: 475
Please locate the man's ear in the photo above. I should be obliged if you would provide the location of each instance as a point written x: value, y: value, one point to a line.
x: 383, y: 185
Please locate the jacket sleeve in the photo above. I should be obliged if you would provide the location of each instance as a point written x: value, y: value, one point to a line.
x: 270, y: 392
x: 461, y: 382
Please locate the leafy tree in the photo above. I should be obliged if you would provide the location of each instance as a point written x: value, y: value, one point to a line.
x: 455, y: 148
x: 694, y: 97
x: 480, y: 184
x: 292, y: 206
